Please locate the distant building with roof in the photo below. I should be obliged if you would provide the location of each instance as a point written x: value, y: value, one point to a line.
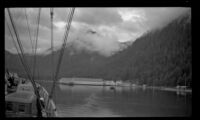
x: 89, y: 81
x: 83, y: 81
x: 93, y: 81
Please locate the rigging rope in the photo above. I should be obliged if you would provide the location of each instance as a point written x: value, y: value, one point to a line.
x: 31, y: 41
x: 23, y: 60
x: 62, y: 49
x: 15, y: 44
x: 28, y: 29
x: 34, y: 62
x: 18, y: 39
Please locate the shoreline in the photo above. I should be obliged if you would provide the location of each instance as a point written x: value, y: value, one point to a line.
x: 173, y: 89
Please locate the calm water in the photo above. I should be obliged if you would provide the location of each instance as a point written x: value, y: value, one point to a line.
x: 99, y: 101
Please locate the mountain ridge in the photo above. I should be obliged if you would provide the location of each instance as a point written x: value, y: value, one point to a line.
x: 160, y: 57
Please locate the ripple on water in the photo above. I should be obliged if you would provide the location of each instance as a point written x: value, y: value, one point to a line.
x: 85, y: 110
x: 91, y: 108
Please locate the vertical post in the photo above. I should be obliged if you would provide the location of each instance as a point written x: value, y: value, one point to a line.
x: 51, y: 13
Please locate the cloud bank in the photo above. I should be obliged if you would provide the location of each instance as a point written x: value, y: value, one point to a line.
x: 100, y: 30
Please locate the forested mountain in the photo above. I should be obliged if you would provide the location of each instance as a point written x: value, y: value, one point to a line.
x: 159, y: 57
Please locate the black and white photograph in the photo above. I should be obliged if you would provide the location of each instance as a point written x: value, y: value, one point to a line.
x: 98, y: 61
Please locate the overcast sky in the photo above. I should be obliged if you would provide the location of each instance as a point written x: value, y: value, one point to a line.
x: 99, y: 30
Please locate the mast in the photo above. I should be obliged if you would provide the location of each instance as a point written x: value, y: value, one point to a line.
x: 52, y: 55
x: 67, y: 28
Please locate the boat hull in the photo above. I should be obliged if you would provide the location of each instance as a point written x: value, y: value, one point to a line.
x: 15, y: 99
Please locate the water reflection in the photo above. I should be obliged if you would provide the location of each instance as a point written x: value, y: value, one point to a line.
x: 101, y: 101
x: 90, y: 105
x: 181, y: 93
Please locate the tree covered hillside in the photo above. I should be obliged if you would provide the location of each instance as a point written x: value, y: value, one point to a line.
x: 160, y: 57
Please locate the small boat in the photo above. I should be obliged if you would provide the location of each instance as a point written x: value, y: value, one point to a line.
x: 112, y: 88
x: 71, y: 84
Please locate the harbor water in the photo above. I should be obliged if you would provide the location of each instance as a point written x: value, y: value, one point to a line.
x: 102, y: 101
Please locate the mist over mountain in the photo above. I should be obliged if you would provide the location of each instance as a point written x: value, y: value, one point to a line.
x: 160, y: 57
